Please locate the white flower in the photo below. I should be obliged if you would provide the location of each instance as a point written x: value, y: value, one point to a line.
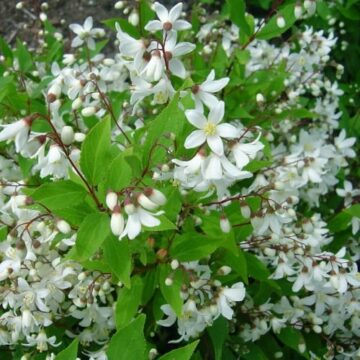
x: 168, y: 19
x: 203, y: 93
x: 130, y: 47
x: 344, y: 145
x: 348, y: 192
x: 174, y: 50
x: 18, y: 130
x: 86, y: 33
x: 171, y: 316
x: 243, y: 153
x: 216, y: 167
x: 209, y: 130
x: 41, y: 341
x: 137, y: 217
x: 228, y: 296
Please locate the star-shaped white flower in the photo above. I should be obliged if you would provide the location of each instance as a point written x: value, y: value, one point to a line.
x: 86, y: 33
x: 203, y: 93
x: 168, y: 19
x: 209, y: 130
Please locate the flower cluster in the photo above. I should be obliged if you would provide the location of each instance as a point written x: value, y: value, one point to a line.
x: 227, y: 164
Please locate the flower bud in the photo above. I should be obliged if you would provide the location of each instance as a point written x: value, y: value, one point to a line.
x: 280, y: 22
x: 129, y: 207
x: 298, y: 11
x: 302, y: 347
x: 224, y: 270
x: 76, y: 104
x: 111, y: 200
x: 117, y: 222
x: 245, y: 210
x: 310, y: 6
x: 169, y: 281
x: 225, y: 224
x: 63, y: 226
x: 79, y: 137
x: 134, y: 18
x: 67, y: 135
x: 174, y: 264
x: 145, y: 202
x: 88, y: 111
x: 119, y: 5
x: 155, y: 196
x: 260, y: 99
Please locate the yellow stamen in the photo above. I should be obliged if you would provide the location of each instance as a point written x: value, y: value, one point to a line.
x: 210, y: 129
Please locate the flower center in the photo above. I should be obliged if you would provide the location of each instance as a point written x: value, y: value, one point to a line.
x: 210, y: 129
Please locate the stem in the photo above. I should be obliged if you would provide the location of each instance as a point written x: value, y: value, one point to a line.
x: 78, y: 172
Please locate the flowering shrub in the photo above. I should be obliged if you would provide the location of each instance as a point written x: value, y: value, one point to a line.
x: 189, y: 196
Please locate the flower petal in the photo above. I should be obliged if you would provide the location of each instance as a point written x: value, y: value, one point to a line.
x: 227, y: 131
x: 161, y: 12
x: 196, y: 118
x: 195, y: 139
x: 214, y: 85
x: 177, y: 68
x: 154, y: 25
x: 216, y: 113
x: 216, y: 145
x: 175, y: 12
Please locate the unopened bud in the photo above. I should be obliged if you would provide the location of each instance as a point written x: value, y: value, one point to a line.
x: 169, y: 281
x: 155, y: 196
x: 119, y: 5
x: 134, y: 18
x: 77, y: 103
x: 162, y: 253
x: 302, y: 347
x: 225, y: 224
x: 174, y: 264
x: 145, y: 202
x: 67, y: 135
x: 245, y: 210
x: 280, y: 22
x: 260, y: 99
x: 298, y: 11
x: 111, y: 200
x: 79, y: 137
x: 63, y: 226
x: 224, y: 270
x: 88, y: 111
x: 117, y: 222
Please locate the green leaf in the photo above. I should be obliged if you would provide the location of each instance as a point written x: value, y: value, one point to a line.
x: 24, y: 57
x: 92, y: 233
x: 74, y: 215
x: 291, y: 338
x: 95, y: 152
x: 59, y: 194
x: 353, y: 210
x: 117, y: 255
x: 194, y: 246
x: 171, y: 293
x: 183, y: 353
x: 171, y: 119
x: 237, y: 262
x: 70, y: 353
x: 129, y: 342
x: 256, y: 269
x: 271, y: 29
x: 119, y: 173
x: 128, y: 302
x: 218, y: 333
x: 237, y: 15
